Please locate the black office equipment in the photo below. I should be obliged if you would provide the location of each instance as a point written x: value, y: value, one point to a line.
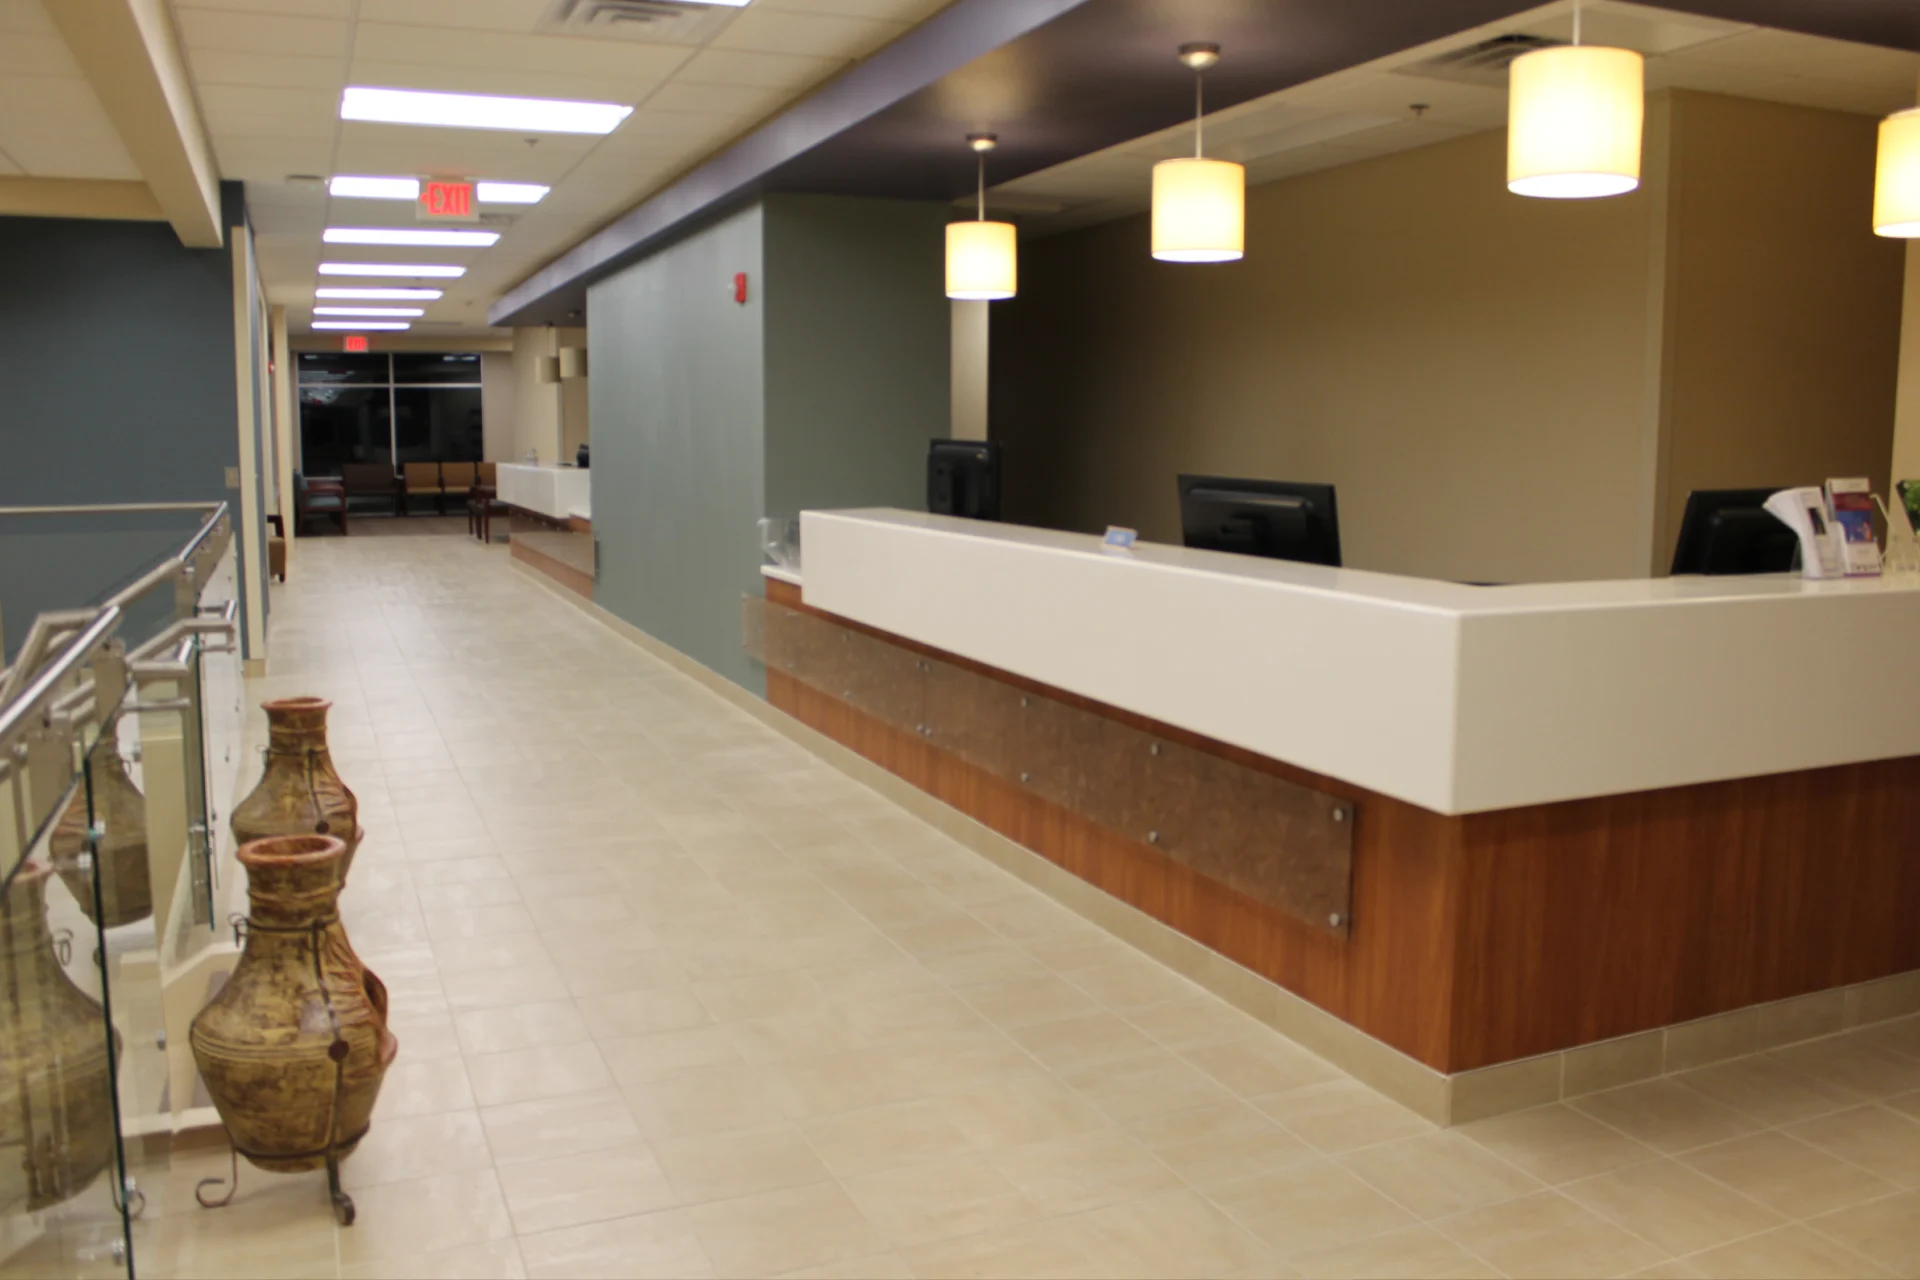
x: 963, y: 479
x: 1273, y: 518
x: 1730, y: 531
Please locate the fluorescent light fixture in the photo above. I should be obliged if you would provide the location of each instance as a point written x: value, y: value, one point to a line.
x: 380, y: 295
x: 400, y: 270
x: 375, y: 188
x: 362, y: 326
x: 477, y: 111
x: 408, y: 236
x: 390, y: 312
x: 510, y: 192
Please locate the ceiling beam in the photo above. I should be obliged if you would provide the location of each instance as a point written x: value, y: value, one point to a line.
x: 131, y: 56
x: 79, y: 198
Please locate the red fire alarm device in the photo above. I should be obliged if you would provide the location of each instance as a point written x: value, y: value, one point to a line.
x: 740, y: 287
x: 447, y: 202
x: 356, y: 342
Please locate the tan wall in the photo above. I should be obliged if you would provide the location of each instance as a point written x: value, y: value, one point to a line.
x: 536, y: 404
x: 499, y: 394
x: 1783, y: 307
x: 574, y: 430
x: 1466, y: 366
x: 1485, y: 377
x: 1906, y: 438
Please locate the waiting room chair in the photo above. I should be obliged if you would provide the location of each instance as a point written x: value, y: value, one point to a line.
x: 315, y: 499
x: 421, y: 478
x: 372, y: 480
x: 456, y: 478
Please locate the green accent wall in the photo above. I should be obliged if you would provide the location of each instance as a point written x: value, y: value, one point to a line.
x: 821, y: 390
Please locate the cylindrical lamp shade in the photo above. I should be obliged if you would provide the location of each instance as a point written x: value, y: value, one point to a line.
x: 1574, y: 116
x: 1896, y: 180
x: 1199, y: 210
x: 983, y: 261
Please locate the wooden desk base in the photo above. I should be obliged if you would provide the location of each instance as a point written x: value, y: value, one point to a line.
x: 1487, y: 938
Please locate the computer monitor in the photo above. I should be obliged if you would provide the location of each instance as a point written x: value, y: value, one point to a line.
x: 963, y: 479
x: 1728, y: 531
x: 1273, y: 518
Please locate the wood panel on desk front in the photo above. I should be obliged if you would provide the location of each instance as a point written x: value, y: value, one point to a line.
x: 1392, y: 977
x: 1486, y: 938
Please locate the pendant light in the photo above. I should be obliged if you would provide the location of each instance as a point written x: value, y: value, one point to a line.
x: 1896, y: 177
x: 983, y: 258
x: 1199, y: 205
x: 1574, y: 116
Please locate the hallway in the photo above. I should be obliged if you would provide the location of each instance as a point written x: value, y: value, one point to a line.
x: 676, y: 998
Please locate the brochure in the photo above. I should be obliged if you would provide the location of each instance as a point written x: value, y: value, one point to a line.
x: 1850, y: 512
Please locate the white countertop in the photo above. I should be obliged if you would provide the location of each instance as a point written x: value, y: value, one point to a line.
x: 553, y: 491
x: 1455, y: 698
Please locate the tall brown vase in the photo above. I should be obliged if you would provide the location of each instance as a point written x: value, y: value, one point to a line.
x: 56, y: 1077
x: 299, y: 794
x: 294, y: 1047
x: 126, y: 888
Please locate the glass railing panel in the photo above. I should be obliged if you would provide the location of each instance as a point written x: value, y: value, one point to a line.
x: 61, y: 1214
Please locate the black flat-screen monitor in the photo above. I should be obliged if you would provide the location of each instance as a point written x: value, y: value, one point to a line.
x: 963, y: 479
x: 1273, y: 518
x: 1728, y: 531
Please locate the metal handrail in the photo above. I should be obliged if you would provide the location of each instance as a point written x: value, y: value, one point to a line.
x: 26, y: 686
x: 101, y: 508
x: 45, y: 683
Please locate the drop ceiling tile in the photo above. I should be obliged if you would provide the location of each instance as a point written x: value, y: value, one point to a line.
x: 271, y: 159
x: 642, y: 64
x: 757, y: 70
x: 823, y: 35
x: 341, y: 9
x: 382, y: 148
x: 482, y: 15
x: 53, y: 127
x: 229, y: 123
x: 906, y: 12
x: 35, y: 54
x: 318, y: 103
x: 26, y: 17
x: 679, y: 100
x: 513, y: 83
x: 287, y: 71
x: 235, y: 32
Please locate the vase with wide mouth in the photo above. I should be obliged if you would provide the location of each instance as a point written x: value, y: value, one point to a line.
x: 300, y: 793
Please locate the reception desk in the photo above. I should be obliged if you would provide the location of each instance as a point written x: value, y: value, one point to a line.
x: 1484, y: 826
x: 554, y: 493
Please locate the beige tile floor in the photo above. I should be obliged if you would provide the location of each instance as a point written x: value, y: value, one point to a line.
x: 676, y: 999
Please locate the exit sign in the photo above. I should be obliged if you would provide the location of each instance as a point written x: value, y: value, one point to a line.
x: 446, y: 202
x: 356, y: 342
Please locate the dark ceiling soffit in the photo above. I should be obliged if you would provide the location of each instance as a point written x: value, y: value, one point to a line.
x: 955, y: 36
x: 1095, y: 70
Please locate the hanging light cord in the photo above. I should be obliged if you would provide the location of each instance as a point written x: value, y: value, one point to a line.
x: 1576, y: 22
x: 1199, y: 111
x: 983, y: 185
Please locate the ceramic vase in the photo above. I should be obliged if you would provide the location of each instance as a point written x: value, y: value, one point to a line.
x: 294, y: 1046
x: 126, y: 888
x: 299, y: 794
x: 56, y: 1076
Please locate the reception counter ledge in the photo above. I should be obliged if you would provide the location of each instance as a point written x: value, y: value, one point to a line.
x: 1581, y: 833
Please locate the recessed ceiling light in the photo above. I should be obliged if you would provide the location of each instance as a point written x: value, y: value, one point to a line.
x: 402, y: 270
x: 380, y: 295
x: 368, y: 311
x: 361, y: 325
x: 477, y: 111
x: 375, y: 188
x: 407, y: 236
x: 510, y: 192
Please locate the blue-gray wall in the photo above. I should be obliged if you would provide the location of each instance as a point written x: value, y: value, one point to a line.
x: 822, y: 390
x: 857, y: 350
x: 116, y: 385
x: 676, y: 398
